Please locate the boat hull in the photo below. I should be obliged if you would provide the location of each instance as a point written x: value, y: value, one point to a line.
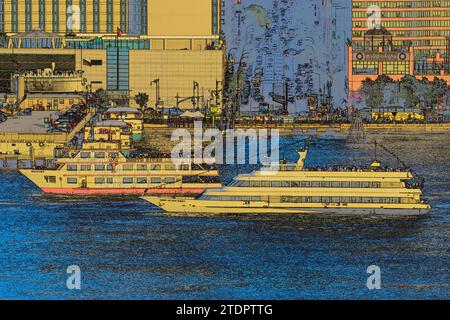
x: 189, y: 206
x: 130, y: 191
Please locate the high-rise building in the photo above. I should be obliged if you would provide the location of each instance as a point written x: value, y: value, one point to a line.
x: 123, y: 46
x: 399, y: 37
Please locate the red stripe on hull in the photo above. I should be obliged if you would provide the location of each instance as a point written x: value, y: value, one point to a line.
x: 122, y: 191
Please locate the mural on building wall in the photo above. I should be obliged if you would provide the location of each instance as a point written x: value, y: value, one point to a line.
x: 300, y: 44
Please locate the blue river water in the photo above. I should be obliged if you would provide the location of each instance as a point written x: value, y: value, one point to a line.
x: 127, y: 249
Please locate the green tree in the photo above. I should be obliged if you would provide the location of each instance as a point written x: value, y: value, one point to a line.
x: 408, y: 91
x: 142, y: 99
x: 101, y: 99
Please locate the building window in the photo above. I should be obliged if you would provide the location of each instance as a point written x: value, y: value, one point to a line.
x: 144, y: 15
x: 123, y: 15
x: 69, y: 17
x: 14, y: 18
x: 28, y: 24
x: 42, y: 14
x: 55, y: 15
x: 215, y: 14
x: 109, y: 16
x: 96, y: 13
x: 2, y: 16
x: 82, y: 15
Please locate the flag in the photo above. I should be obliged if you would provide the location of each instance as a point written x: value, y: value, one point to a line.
x: 119, y: 32
x: 87, y: 63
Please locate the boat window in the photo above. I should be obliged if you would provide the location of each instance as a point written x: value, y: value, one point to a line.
x: 72, y: 167
x: 170, y: 167
x: 376, y: 200
x: 155, y: 180
x: 127, y: 180
x: 183, y: 167
x: 335, y: 184
x: 365, y: 184
x: 315, y: 184
x: 356, y: 184
x: 142, y: 167
x: 99, y: 180
x: 276, y: 184
x: 326, y: 199
x: 169, y: 180
x: 50, y: 179
x: 85, y: 167
x: 141, y: 180
x: 265, y: 184
x: 72, y: 180
x: 113, y: 155
x: 366, y: 200
x: 85, y: 155
x: 99, y: 167
x: 155, y: 167
x: 345, y: 199
x: 127, y: 167
x: 99, y: 155
x: 305, y: 184
x: 335, y: 199
x: 255, y: 198
x: 325, y: 184
x: 345, y: 184
x: 285, y: 184
x: 254, y: 183
x: 109, y: 180
x: 375, y: 184
x: 295, y: 184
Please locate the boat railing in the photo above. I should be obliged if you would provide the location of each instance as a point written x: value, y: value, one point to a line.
x: 354, y: 169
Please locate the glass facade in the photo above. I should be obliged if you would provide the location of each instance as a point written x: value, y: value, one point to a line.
x: 424, y: 23
x: 117, y: 68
